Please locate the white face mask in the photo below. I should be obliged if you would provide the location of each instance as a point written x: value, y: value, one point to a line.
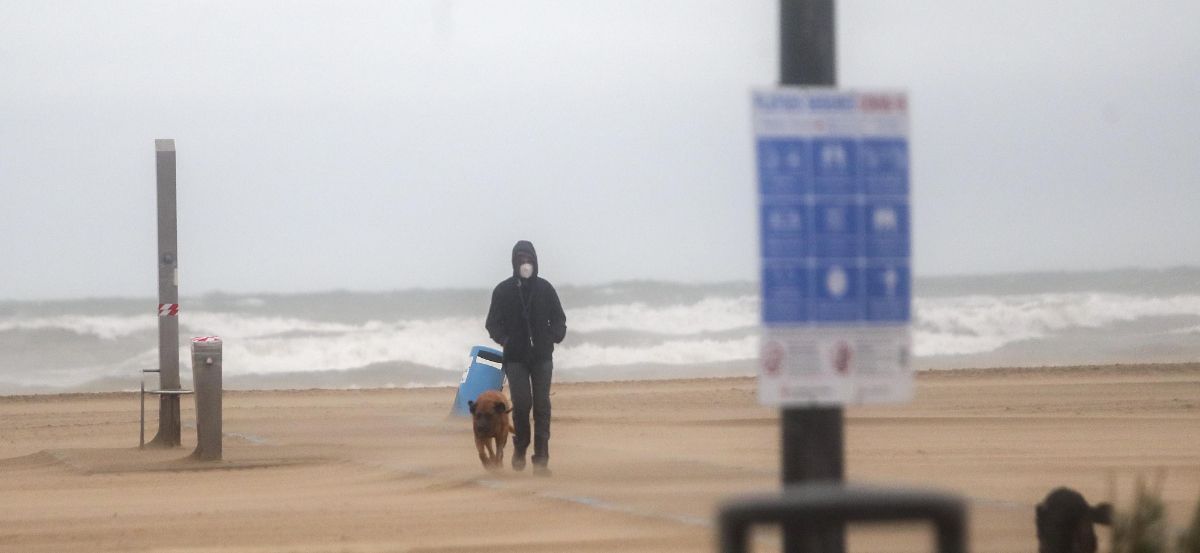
x: 526, y: 270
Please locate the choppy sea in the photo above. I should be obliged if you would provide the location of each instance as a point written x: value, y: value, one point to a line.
x: 630, y: 330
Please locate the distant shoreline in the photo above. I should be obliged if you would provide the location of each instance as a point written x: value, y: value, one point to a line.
x: 1188, y: 369
x: 1170, y: 279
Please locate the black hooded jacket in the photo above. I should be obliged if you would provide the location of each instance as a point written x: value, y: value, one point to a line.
x: 526, y: 317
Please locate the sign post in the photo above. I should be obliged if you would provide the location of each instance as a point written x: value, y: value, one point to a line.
x: 168, y: 298
x: 834, y: 227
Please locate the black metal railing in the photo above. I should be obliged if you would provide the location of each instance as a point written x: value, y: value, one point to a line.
x: 810, y: 507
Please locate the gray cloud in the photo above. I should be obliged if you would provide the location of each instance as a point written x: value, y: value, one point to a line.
x: 388, y: 145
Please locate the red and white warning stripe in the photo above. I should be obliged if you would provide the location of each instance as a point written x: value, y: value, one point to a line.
x: 168, y: 310
x: 206, y: 339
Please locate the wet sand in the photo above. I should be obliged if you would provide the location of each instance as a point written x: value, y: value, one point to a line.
x: 638, y: 466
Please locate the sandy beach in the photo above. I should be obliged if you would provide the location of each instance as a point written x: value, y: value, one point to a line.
x: 638, y: 466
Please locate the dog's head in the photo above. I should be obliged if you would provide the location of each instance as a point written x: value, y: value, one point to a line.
x: 486, y: 414
x: 1065, y: 522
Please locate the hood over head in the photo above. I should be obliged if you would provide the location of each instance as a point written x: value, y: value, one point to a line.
x: 525, y: 247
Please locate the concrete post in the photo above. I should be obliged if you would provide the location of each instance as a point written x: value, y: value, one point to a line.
x: 206, y: 378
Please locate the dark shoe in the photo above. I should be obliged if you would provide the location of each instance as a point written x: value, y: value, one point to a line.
x: 540, y: 460
x: 518, y: 461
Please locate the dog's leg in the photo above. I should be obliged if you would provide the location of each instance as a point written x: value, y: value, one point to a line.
x: 487, y: 442
x: 483, y: 458
x: 501, y: 441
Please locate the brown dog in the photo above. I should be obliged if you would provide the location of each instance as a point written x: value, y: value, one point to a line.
x: 489, y: 413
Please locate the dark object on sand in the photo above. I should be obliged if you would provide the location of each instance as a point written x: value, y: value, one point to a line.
x: 1065, y: 522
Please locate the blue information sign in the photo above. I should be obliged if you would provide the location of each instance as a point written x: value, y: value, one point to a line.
x: 833, y: 189
x: 835, y: 227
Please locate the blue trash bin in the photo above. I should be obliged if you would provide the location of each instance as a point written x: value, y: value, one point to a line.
x: 483, y: 374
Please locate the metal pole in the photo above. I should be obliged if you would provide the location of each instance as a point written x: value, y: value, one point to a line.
x: 142, y: 419
x: 806, y: 43
x: 813, y: 443
x: 168, y: 295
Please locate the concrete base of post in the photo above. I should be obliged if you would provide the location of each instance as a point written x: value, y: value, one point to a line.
x: 207, y: 382
x: 168, y: 423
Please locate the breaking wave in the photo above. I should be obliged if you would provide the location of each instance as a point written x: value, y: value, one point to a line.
x: 980, y: 324
x: 715, y: 328
x: 102, y: 326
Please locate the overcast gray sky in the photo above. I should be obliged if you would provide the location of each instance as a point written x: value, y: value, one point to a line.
x: 386, y: 145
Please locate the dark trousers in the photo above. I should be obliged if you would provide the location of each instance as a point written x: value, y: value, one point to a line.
x: 529, y: 386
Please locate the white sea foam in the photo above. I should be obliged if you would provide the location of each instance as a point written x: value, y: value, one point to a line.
x: 674, y: 335
x: 444, y: 343
x: 707, y: 315
x: 673, y: 352
x: 204, y: 323
x: 980, y: 324
x: 107, y: 327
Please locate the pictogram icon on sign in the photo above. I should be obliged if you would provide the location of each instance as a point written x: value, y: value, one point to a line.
x: 884, y: 219
x: 772, y: 358
x: 841, y: 358
x: 836, y: 282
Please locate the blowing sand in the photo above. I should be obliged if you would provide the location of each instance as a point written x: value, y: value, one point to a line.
x: 638, y: 466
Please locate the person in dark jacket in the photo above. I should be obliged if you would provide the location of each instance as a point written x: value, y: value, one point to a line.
x: 527, y: 319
